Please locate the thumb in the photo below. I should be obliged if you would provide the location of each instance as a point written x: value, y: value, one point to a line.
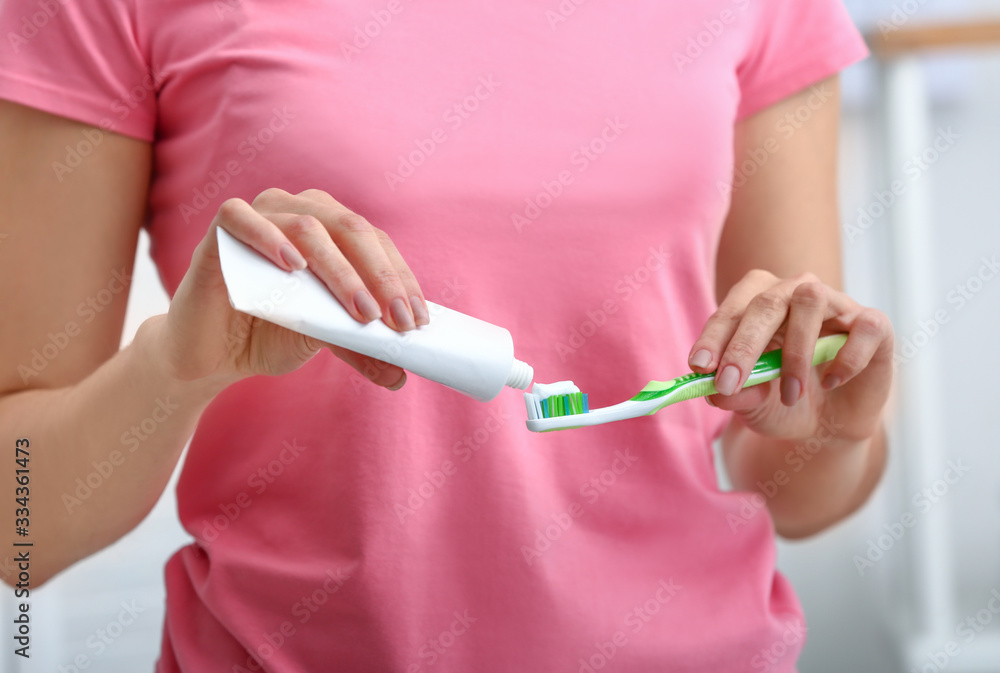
x: 314, y: 345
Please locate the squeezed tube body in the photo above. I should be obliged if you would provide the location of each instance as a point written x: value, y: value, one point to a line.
x: 463, y: 353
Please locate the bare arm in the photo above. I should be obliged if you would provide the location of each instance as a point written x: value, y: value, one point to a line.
x: 66, y: 388
x: 106, y: 427
x: 784, y: 220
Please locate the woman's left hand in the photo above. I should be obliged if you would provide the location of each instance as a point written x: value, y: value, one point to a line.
x: 763, y: 312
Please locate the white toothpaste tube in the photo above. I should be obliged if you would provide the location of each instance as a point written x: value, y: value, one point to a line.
x: 456, y: 350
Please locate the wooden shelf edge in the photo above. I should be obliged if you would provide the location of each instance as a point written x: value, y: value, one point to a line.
x: 889, y: 40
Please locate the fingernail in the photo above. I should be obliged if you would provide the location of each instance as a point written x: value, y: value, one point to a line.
x: 710, y: 402
x: 726, y: 382
x: 419, y: 311
x: 791, y: 388
x: 830, y: 382
x: 292, y: 257
x: 398, y: 384
x: 701, y: 359
x: 367, y: 306
x: 401, y: 314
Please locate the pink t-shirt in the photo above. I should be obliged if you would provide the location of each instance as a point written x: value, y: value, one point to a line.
x: 556, y: 168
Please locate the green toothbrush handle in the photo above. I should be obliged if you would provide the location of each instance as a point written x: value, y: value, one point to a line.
x: 768, y: 368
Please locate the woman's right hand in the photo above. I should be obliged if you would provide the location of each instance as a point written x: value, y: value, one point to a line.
x: 204, y: 338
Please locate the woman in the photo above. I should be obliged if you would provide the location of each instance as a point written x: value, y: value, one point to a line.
x: 564, y: 170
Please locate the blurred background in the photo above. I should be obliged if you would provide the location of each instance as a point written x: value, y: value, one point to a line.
x: 912, y: 582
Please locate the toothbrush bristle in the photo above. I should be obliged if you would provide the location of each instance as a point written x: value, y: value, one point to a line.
x: 564, y: 405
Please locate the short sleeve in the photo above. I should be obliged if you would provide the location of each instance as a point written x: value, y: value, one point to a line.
x: 78, y: 59
x: 796, y: 43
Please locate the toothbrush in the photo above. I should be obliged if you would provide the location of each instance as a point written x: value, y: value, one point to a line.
x: 561, y: 406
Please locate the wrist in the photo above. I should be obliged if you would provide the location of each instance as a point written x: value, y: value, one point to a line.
x: 151, y: 350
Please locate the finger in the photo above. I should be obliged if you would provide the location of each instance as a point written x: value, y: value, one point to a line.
x: 764, y: 315
x: 358, y: 243
x: 378, y: 372
x: 356, y: 237
x: 748, y: 398
x: 807, y: 309
x: 329, y: 264
x: 319, y: 196
x: 722, y: 324
x: 870, y: 330
x: 247, y: 225
x: 417, y: 302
